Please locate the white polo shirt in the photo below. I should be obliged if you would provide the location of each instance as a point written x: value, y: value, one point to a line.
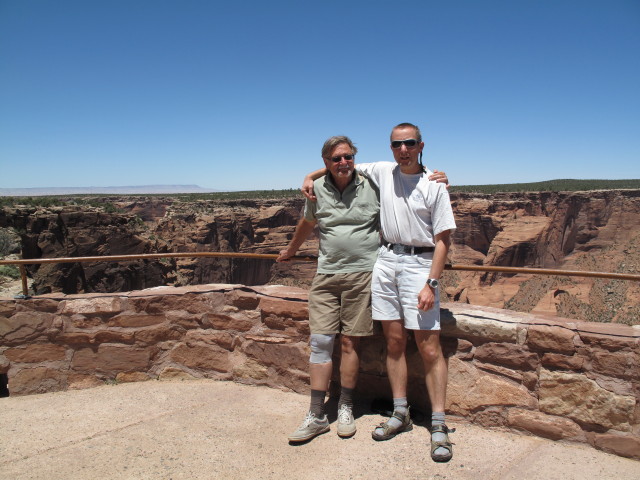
x: 413, y: 209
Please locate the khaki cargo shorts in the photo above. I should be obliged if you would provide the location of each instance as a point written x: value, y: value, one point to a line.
x: 341, y: 303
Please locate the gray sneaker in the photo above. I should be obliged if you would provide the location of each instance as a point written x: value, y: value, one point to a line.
x: 311, y: 427
x: 346, y: 422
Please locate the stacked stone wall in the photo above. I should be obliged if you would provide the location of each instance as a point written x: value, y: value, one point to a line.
x: 555, y: 378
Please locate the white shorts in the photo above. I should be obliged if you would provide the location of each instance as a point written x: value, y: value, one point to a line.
x: 397, y: 281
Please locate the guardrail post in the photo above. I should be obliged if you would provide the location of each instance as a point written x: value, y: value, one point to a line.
x: 25, y: 288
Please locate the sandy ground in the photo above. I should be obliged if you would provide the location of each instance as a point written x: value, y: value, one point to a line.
x: 10, y: 288
x: 207, y: 429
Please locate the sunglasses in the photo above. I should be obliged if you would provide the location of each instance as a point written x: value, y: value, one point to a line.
x: 409, y: 143
x: 337, y: 159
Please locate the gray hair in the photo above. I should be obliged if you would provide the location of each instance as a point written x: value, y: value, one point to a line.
x: 333, y: 142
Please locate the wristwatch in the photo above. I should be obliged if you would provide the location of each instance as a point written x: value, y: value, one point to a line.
x: 433, y: 283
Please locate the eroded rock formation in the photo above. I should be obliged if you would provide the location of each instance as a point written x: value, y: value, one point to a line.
x: 593, y: 231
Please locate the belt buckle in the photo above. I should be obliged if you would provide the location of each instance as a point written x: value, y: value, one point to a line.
x: 398, y: 248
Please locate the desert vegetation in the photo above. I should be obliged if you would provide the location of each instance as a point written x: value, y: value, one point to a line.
x: 103, y: 201
x: 562, y: 185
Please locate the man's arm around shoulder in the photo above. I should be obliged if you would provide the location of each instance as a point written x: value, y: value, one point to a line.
x: 307, y: 184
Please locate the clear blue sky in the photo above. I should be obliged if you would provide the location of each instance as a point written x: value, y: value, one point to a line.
x: 241, y: 95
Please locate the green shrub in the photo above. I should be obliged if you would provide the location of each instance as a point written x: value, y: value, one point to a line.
x: 47, y: 201
x: 10, y: 271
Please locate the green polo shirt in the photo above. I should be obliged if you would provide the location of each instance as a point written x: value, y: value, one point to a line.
x: 348, y: 224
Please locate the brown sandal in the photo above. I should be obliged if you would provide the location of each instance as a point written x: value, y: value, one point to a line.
x: 391, y: 431
x: 441, y: 444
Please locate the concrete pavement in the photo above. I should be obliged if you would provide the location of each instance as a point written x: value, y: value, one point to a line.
x: 207, y: 430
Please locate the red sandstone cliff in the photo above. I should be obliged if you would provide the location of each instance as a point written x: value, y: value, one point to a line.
x: 594, y: 231
x: 575, y: 231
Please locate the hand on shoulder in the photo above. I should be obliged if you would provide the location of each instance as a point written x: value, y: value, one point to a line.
x: 439, y: 177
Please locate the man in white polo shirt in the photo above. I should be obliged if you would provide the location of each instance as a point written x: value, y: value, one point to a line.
x: 416, y: 223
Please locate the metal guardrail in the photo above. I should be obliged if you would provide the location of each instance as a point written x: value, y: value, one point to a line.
x: 271, y: 256
x: 115, y: 258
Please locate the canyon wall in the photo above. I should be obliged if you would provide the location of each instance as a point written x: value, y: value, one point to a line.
x: 594, y: 231
x: 551, y: 377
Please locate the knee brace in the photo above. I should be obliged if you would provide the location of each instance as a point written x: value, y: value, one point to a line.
x: 321, y: 347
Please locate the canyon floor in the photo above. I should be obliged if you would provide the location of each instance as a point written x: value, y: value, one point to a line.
x: 207, y: 429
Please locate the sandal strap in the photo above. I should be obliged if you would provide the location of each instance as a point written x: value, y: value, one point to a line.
x: 442, y: 428
x: 436, y: 445
x: 399, y: 416
x: 446, y: 443
x: 441, y: 457
x: 385, y: 427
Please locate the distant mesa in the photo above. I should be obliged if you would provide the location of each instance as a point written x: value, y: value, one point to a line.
x: 130, y: 190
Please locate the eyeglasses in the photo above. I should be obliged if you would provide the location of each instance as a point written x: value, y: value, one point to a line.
x: 409, y: 143
x: 339, y: 158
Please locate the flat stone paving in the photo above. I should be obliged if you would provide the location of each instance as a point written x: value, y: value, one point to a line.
x: 205, y: 430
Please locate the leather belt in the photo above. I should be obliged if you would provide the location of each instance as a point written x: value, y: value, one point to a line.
x: 399, y: 248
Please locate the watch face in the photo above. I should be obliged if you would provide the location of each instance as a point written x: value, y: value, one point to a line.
x: 432, y: 282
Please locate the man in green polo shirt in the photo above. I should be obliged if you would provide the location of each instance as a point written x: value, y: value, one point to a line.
x: 346, y: 212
